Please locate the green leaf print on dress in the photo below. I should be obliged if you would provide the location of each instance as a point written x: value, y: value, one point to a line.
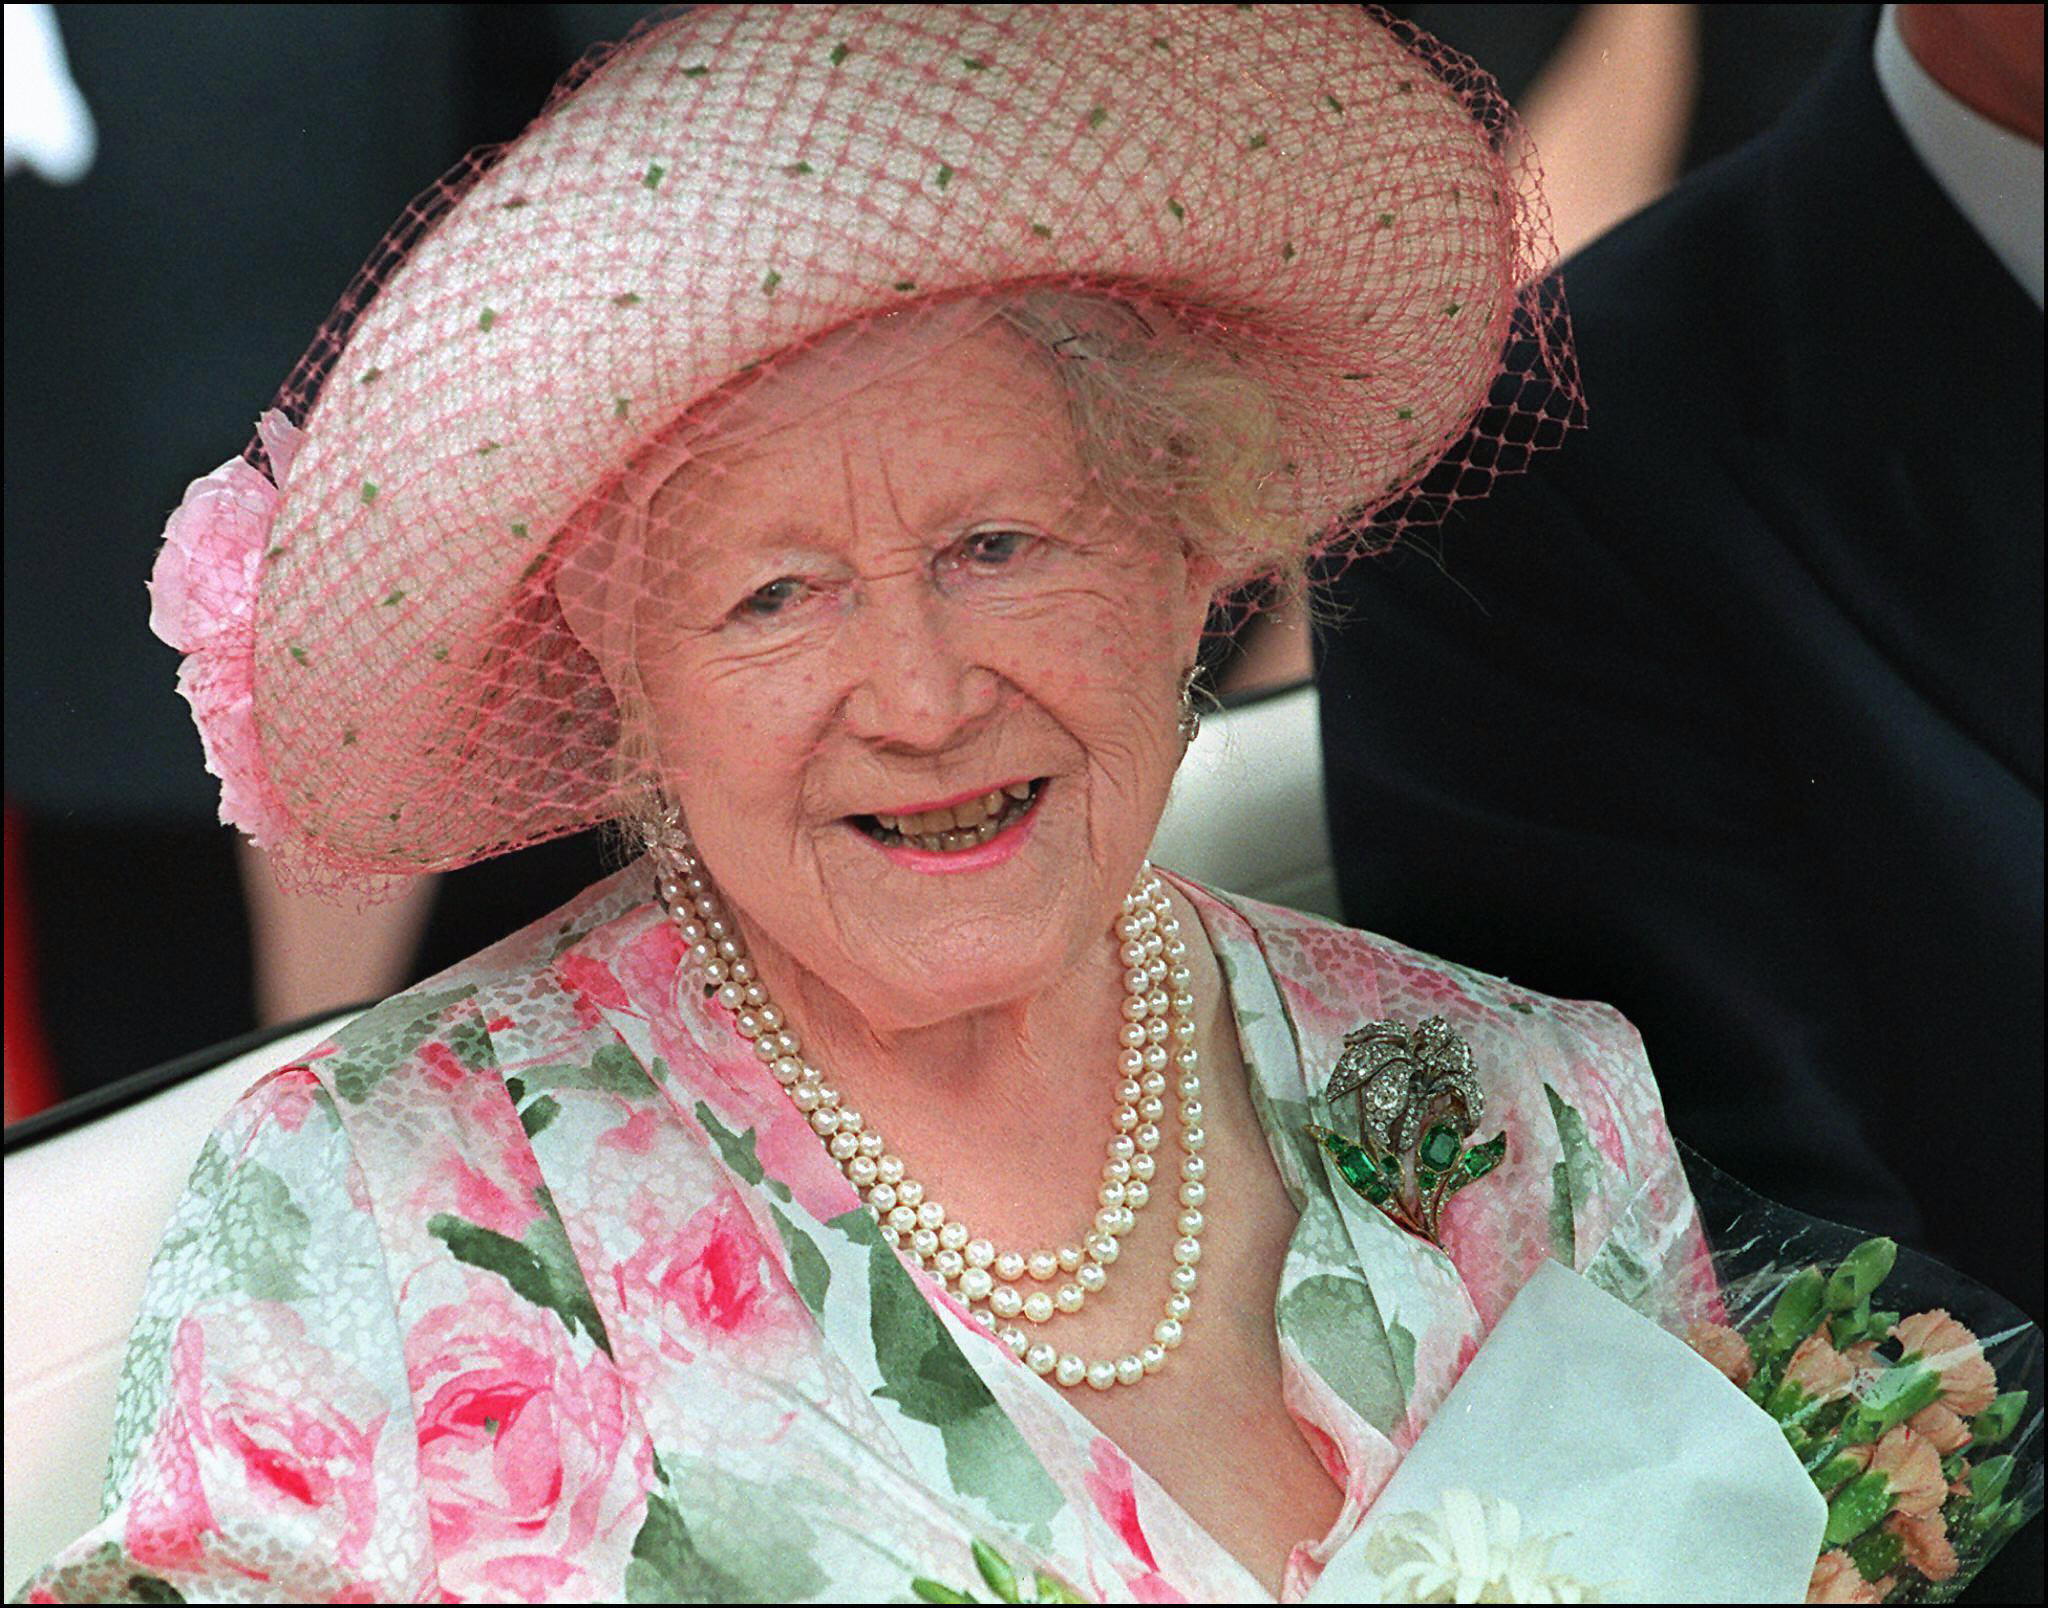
x: 1335, y: 1323
x: 987, y: 1456
x: 384, y: 1037
x: 539, y: 1265
x: 706, y: 1543
x: 1574, y: 1181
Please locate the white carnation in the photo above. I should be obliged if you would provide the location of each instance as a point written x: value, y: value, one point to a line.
x: 1471, y: 1549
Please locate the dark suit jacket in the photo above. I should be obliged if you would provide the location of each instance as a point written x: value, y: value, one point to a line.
x: 1729, y: 711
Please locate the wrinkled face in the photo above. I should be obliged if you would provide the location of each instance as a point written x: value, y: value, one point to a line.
x: 915, y: 690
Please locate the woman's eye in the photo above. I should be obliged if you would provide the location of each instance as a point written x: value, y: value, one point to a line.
x: 991, y: 549
x: 767, y: 601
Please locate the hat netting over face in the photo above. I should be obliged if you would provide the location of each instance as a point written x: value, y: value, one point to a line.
x: 1273, y: 253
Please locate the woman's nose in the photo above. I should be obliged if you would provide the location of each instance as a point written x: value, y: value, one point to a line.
x: 916, y: 678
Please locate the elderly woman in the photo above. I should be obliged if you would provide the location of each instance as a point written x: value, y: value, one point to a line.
x: 820, y: 442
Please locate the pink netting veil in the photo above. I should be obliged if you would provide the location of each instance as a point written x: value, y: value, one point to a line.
x: 1257, y: 270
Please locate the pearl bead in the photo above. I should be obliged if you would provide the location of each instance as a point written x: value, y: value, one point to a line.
x: 1135, y: 1010
x: 1104, y: 1248
x: 930, y: 1214
x: 1041, y: 1358
x: 1182, y: 1278
x: 1016, y: 1339
x: 1192, y: 1139
x: 1179, y: 1305
x: 787, y: 1069
x: 1005, y: 1302
x: 825, y: 1121
x: 1142, y: 1168
x: 1129, y: 1370
x: 1156, y: 970
x: 891, y: 1169
x: 1131, y: 1062
x: 1152, y: 1083
x: 1070, y: 1298
x: 1191, y: 1112
x: 980, y: 1253
x: 1132, y: 1035
x: 947, y: 1264
x: 1153, y: 1357
x: 1187, y: 1251
x: 1193, y: 1193
x: 902, y: 1219
x: 1193, y: 1167
x: 1117, y: 1171
x: 890, y: 1236
x: 1070, y: 1370
x: 910, y: 1192
x: 732, y: 996
x: 1156, y: 1030
x: 1041, y: 1265
x: 1101, y: 1375
x: 1167, y: 1332
x: 882, y: 1196
x: 1038, y: 1306
x: 1189, y: 1221
x: 871, y: 1144
x: 1111, y: 1194
x: 1190, y: 1086
x: 1128, y: 1090
x: 1109, y: 1220
x: 1137, y: 981
x: 1147, y: 1137
x: 844, y: 1146
x: 850, y: 1120
x: 975, y: 1283
x: 804, y: 1097
x: 923, y: 1241
x: 1010, y: 1266
x: 1122, y: 1147
x: 984, y: 1319
x: 953, y: 1236
x: 1136, y: 1193
x: 1090, y: 1276
x: 1072, y: 1258
x: 1151, y: 1108
x: 1155, y: 1060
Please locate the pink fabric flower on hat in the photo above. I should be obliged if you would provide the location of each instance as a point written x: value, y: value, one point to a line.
x: 202, y: 597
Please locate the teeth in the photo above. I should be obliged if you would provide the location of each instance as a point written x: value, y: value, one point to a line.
x: 959, y: 826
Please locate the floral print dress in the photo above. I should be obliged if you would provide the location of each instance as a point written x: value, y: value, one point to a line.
x: 533, y: 1285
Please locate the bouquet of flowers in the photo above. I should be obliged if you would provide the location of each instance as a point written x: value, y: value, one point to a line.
x: 1911, y: 1395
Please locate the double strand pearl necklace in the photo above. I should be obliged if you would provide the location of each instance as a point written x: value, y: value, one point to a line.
x: 1157, y: 1035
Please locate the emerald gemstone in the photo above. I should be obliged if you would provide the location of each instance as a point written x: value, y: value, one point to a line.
x: 1482, y: 1159
x: 1439, y: 1147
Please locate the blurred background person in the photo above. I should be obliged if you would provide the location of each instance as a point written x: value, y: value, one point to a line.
x: 1740, y: 694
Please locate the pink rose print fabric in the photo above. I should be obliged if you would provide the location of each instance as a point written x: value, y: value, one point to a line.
x: 532, y: 1287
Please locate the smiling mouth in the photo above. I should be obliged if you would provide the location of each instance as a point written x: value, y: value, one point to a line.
x: 958, y: 827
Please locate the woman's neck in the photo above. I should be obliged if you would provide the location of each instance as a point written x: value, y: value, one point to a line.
x: 1027, y: 1064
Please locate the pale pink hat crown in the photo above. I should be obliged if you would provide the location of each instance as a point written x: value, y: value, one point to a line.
x: 1328, y: 195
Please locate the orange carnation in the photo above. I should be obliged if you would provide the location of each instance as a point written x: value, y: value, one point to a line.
x: 1724, y: 1348
x: 1926, y: 1543
x: 1941, y: 1426
x: 1820, y: 1371
x: 1967, y: 1382
x: 1911, y: 1467
x: 1836, y: 1579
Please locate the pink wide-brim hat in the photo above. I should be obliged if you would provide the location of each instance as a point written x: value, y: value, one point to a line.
x: 1339, y: 200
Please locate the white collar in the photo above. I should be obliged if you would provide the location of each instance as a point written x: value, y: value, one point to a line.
x: 1991, y: 174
